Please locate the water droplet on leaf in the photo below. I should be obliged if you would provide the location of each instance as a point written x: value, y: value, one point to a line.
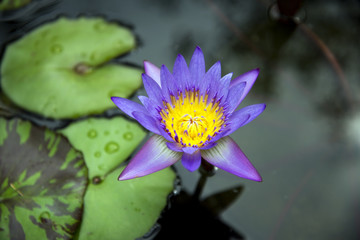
x: 101, y: 167
x: 128, y: 136
x: 92, y: 133
x: 111, y: 147
x: 97, y: 154
x: 56, y: 48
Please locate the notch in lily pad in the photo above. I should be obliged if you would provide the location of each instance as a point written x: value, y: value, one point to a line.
x: 62, y: 69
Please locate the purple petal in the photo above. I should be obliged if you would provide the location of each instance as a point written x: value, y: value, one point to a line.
x: 236, y: 121
x: 190, y: 150
x: 223, y: 89
x: 244, y: 116
x: 165, y: 134
x: 233, y: 96
x: 228, y: 156
x: 152, y: 89
x: 197, y: 66
x: 147, y: 122
x: 149, y: 105
x: 152, y: 157
x: 174, y: 146
x: 191, y: 161
x: 249, y: 78
x: 167, y: 83
x: 211, y: 81
x: 152, y: 71
x: 219, y: 135
x: 209, y: 145
x: 181, y: 73
x: 128, y: 106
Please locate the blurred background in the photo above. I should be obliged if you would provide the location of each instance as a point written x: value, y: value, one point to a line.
x: 306, y: 144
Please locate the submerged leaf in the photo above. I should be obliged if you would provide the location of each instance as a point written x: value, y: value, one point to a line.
x: 63, y: 65
x: 42, y: 182
x: 219, y: 202
x: 12, y: 4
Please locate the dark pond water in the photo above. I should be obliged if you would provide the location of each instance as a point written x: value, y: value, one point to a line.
x: 306, y: 145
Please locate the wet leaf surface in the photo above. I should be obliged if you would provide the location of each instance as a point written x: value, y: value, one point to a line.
x: 42, y: 182
x: 105, y: 143
x: 64, y: 64
x: 130, y: 207
x: 116, y: 209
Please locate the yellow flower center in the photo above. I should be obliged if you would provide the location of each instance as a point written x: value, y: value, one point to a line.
x: 190, y: 120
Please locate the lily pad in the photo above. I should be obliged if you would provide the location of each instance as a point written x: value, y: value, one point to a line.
x: 42, y: 182
x: 61, y: 69
x: 130, y: 208
x: 105, y: 143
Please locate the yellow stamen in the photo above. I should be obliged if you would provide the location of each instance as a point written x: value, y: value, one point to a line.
x: 190, y: 120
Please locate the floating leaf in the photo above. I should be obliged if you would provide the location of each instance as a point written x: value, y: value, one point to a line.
x: 63, y: 65
x: 42, y: 182
x: 122, y: 209
x: 130, y: 207
x: 105, y: 143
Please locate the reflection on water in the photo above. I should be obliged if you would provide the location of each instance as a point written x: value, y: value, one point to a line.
x: 306, y: 144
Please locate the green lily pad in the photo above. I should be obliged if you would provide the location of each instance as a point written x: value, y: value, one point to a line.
x: 60, y: 69
x: 130, y: 208
x: 105, y: 143
x: 42, y: 183
x: 116, y: 209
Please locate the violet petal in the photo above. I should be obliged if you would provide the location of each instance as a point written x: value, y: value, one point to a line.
x: 233, y: 96
x: 212, y: 79
x: 227, y: 156
x: 235, y: 121
x: 223, y: 89
x: 128, y: 106
x: 147, y: 122
x: 165, y: 134
x: 249, y: 78
x: 190, y: 150
x: 152, y: 157
x: 191, y: 161
x: 149, y: 106
x: 197, y: 66
x: 152, y: 89
x: 244, y: 116
x: 167, y: 82
x: 181, y: 73
x: 208, y: 146
x: 152, y: 71
x: 174, y: 146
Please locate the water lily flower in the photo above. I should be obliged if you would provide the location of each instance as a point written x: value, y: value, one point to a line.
x: 191, y: 113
